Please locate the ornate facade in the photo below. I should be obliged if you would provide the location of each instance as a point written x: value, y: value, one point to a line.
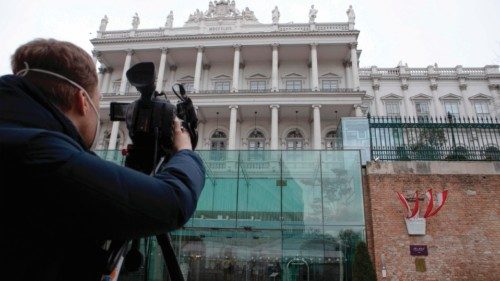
x: 280, y: 79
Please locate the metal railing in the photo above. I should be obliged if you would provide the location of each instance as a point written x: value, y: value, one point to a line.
x: 444, y: 138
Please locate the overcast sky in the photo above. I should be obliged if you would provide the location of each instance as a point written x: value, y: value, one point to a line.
x: 419, y: 32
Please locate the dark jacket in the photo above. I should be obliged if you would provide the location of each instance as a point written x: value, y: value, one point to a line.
x: 60, y: 202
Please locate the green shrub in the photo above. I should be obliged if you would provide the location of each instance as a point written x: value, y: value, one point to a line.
x: 362, y: 267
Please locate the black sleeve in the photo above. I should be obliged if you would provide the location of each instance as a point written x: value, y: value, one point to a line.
x: 104, y: 200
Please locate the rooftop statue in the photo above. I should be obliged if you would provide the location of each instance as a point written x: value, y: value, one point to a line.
x: 276, y: 15
x: 211, y: 9
x: 350, y: 14
x: 312, y: 14
x: 104, y: 23
x: 135, y: 21
x: 170, y: 20
x: 248, y: 14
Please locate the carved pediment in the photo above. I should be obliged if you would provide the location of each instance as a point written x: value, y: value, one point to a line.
x: 391, y: 97
x: 187, y: 78
x: 294, y: 76
x: 330, y: 75
x: 450, y: 97
x: 222, y: 77
x: 480, y: 97
x: 258, y: 76
x: 421, y: 97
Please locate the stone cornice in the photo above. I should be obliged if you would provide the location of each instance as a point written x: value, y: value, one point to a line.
x: 96, y: 41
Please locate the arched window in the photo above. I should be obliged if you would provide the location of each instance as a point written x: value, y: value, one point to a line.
x: 218, y: 140
x: 295, y: 140
x: 256, y: 140
x: 331, y: 140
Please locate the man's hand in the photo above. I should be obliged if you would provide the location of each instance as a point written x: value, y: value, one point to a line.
x: 181, y: 136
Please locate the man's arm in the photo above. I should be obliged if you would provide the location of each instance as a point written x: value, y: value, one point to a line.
x: 104, y: 200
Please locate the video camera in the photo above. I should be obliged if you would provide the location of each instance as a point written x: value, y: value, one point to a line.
x: 150, y: 122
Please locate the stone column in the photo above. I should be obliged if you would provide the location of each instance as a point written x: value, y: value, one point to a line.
x: 114, y: 135
x: 206, y: 70
x: 236, y: 69
x: 106, y: 79
x: 95, y: 56
x: 126, y: 66
x: 354, y: 61
x: 379, y: 107
x: 407, y: 102
x: 348, y: 71
x: 438, y: 112
x: 171, y: 77
x: 314, y: 67
x: 465, y: 102
x: 161, y: 70
x: 232, y: 127
x: 317, y: 126
x: 197, y: 71
x: 274, y: 74
x: 274, y: 126
x: 100, y: 77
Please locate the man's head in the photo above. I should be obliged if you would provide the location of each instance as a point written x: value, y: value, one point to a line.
x: 72, y: 62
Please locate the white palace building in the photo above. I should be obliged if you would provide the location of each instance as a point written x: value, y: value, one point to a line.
x: 278, y: 85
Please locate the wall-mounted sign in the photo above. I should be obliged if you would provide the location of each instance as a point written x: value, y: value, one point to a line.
x: 418, y: 250
x: 420, y: 265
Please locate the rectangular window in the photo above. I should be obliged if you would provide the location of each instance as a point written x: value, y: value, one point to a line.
x: 222, y: 86
x: 329, y: 85
x: 257, y: 86
x: 452, y: 108
x: 482, y: 109
x: 392, y: 108
x: 422, y: 109
x: 294, y: 85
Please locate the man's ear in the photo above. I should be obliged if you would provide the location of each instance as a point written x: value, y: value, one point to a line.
x: 80, y: 103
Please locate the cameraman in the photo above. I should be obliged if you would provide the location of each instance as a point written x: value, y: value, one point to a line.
x: 60, y: 202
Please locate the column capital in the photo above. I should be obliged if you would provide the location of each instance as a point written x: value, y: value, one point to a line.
x: 173, y: 67
x: 96, y: 53
x: 164, y: 50
x: 313, y: 45
x: 318, y: 106
x: 130, y: 52
x: 242, y: 65
x: 346, y: 63
x: 102, y: 70
x: 353, y: 45
x: 404, y: 87
x: 237, y: 47
x: 200, y: 48
x: 376, y: 87
x: 274, y: 106
x: 433, y: 86
x: 206, y: 66
x: 233, y: 106
x: 275, y: 45
x: 462, y: 87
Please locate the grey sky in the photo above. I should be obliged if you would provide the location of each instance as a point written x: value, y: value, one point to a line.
x: 419, y: 32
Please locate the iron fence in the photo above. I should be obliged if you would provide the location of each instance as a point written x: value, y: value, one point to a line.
x: 428, y: 138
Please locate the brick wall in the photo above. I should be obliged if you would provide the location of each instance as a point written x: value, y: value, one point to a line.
x: 463, y: 239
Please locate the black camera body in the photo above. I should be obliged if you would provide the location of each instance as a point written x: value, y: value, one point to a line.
x: 150, y: 120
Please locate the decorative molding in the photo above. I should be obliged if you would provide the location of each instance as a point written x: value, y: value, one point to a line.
x: 462, y: 87
x: 376, y: 87
x: 391, y: 97
x: 480, y: 97
x: 421, y: 97
x: 433, y: 87
x: 404, y: 87
x: 450, y: 97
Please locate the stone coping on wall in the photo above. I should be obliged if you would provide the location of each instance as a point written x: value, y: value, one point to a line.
x: 433, y: 167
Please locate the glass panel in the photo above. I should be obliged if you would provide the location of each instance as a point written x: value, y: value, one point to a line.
x: 257, y: 85
x: 422, y: 109
x: 222, y: 86
x: 392, y: 108
x: 452, y: 108
x: 482, y: 109
x: 329, y: 84
x: 294, y: 85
